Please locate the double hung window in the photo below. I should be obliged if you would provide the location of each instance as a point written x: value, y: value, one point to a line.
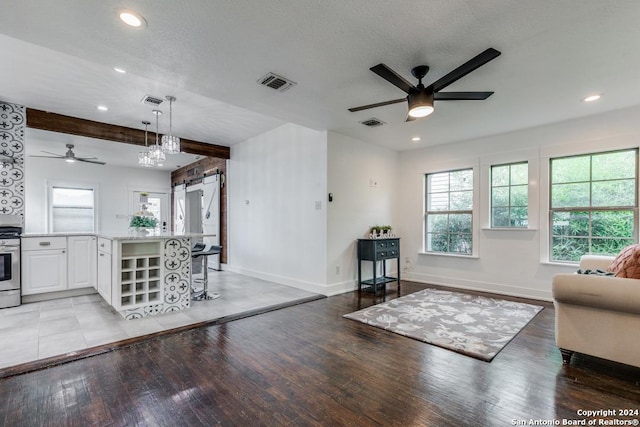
x: 72, y: 209
x: 593, y: 204
x: 449, y: 212
x: 510, y: 195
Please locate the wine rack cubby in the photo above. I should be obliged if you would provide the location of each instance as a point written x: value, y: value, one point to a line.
x: 140, y: 274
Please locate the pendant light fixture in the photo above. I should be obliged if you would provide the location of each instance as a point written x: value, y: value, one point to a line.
x: 144, y: 157
x: 170, y: 143
x: 155, y: 151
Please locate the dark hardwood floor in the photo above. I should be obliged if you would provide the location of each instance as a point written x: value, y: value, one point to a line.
x: 308, y: 366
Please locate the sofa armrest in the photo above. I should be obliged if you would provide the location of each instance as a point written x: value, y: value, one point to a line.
x: 595, y: 262
x: 603, y: 292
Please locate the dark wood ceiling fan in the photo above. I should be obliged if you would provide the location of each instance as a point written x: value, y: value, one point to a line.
x: 420, y: 98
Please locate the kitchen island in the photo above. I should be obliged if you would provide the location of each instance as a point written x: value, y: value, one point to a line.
x: 142, y: 275
x: 150, y: 274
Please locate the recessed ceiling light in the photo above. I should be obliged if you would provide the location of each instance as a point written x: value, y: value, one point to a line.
x: 102, y: 108
x: 133, y: 19
x: 592, y: 98
x: 119, y: 70
x: 415, y: 139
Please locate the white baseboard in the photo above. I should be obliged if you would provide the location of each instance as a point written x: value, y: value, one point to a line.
x: 351, y: 285
x: 282, y: 280
x: 474, y: 285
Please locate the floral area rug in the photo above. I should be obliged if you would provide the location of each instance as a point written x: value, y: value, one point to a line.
x: 473, y: 325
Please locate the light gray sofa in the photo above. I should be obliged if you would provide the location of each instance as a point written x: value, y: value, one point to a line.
x: 597, y: 315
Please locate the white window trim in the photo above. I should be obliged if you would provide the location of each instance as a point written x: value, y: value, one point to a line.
x: 83, y: 186
x: 546, y: 154
x: 530, y: 156
x: 475, y: 211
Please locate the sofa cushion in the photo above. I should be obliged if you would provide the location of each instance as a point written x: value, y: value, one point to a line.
x: 627, y: 263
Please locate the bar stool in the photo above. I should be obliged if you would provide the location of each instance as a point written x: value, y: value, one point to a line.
x: 198, y: 251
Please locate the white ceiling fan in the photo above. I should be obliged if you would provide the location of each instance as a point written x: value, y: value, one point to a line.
x: 70, y: 156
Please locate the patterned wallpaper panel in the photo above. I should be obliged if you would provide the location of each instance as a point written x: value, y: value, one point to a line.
x: 13, y: 120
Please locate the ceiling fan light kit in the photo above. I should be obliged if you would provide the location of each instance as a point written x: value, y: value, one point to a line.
x: 420, y: 104
x: 420, y: 99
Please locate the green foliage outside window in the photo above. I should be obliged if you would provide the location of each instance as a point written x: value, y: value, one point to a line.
x: 449, y: 215
x: 593, y: 201
x: 510, y: 195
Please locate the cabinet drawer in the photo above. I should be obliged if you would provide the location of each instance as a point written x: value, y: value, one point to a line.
x: 104, y: 245
x: 386, y: 254
x: 43, y: 243
x: 381, y: 245
x: 387, y: 245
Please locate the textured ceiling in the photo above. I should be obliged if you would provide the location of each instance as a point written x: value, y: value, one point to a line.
x: 209, y: 54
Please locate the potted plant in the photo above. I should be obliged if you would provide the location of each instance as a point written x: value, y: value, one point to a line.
x: 143, y: 220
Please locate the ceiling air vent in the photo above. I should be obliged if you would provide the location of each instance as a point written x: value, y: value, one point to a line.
x: 373, y: 122
x: 276, y: 82
x: 154, y: 101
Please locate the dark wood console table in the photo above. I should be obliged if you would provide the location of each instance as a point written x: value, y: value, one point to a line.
x: 375, y: 250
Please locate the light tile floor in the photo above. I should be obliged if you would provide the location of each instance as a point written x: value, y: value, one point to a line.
x: 40, y: 330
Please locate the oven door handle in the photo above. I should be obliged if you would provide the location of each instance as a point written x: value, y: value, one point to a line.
x: 8, y: 248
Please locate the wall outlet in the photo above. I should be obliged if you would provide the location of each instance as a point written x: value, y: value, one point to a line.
x: 318, y: 205
x: 337, y: 269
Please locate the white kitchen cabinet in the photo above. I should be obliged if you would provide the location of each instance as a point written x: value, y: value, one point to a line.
x: 82, y: 271
x: 44, y: 268
x: 104, y: 274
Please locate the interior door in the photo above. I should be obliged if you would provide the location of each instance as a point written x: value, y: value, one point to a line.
x: 211, y: 214
x: 157, y: 203
x: 179, y: 213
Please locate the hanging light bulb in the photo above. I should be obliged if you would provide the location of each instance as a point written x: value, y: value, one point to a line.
x: 170, y: 143
x: 144, y: 157
x: 155, y: 151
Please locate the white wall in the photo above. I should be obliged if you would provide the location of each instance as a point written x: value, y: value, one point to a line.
x: 114, y: 184
x: 276, y: 231
x: 363, y: 180
x: 509, y: 262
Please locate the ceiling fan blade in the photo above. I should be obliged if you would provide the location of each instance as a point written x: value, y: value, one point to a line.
x: 86, y: 160
x: 466, y: 68
x: 461, y: 96
x: 392, y: 77
x: 49, y: 157
x: 379, y: 104
x: 53, y: 154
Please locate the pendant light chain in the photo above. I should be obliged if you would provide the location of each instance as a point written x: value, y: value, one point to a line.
x: 144, y: 157
x: 170, y: 143
x: 156, y: 151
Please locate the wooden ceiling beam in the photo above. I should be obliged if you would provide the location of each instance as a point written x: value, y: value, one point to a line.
x: 38, y: 119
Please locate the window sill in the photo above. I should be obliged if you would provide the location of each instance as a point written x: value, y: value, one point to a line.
x: 508, y: 229
x: 561, y: 264
x: 449, y: 255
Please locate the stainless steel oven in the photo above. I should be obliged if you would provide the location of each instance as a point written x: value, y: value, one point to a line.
x: 10, y: 230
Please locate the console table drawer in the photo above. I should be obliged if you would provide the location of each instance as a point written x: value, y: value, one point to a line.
x: 386, y: 254
x: 372, y: 249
